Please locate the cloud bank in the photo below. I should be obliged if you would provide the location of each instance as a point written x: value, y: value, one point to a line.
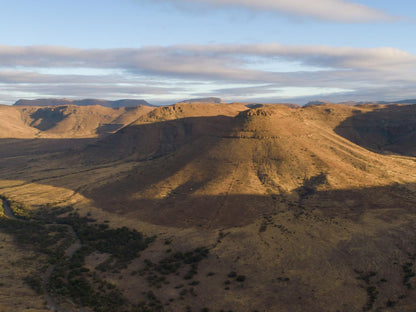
x: 268, y: 72
x: 330, y: 10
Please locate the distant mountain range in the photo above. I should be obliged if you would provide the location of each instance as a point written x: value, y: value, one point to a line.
x: 105, y: 103
x: 84, y: 102
x: 352, y: 103
x: 213, y: 100
x: 205, y: 100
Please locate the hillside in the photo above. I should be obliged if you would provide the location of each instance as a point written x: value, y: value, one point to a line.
x: 67, y: 121
x: 269, y: 208
x: 389, y: 129
x: 237, y: 161
x: 13, y: 125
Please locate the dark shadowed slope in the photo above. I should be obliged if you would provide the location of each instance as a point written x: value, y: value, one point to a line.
x: 389, y: 129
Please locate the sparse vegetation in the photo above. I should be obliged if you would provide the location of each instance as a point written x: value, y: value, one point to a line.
x: 372, y: 292
x: 34, y: 282
x: 408, y: 274
x: 310, y: 185
x: 156, y: 272
x: 277, y: 194
x: 232, y: 274
x: 48, y: 233
x: 19, y: 209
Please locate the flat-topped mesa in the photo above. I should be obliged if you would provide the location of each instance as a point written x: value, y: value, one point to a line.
x: 204, y: 100
x: 83, y: 102
x: 359, y: 103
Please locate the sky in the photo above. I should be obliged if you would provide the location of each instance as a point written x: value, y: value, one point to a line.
x: 165, y: 51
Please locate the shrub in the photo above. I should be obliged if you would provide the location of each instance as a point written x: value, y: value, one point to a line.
x: 34, y: 282
x: 232, y: 274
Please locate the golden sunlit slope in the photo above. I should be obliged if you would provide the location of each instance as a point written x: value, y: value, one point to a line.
x: 188, y: 110
x: 164, y: 129
x: 12, y: 125
x: 68, y: 121
x: 229, y: 168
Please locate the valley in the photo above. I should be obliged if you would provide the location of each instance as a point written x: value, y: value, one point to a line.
x: 269, y: 208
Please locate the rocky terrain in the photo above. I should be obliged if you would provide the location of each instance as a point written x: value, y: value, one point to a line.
x: 241, y: 207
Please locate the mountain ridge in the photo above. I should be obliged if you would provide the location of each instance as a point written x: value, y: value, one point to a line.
x: 215, y: 100
x: 82, y: 102
x: 65, y: 121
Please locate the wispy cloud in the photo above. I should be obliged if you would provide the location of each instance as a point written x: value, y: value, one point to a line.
x: 330, y: 10
x: 190, y: 70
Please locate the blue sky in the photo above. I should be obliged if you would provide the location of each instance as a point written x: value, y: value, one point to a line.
x: 240, y: 50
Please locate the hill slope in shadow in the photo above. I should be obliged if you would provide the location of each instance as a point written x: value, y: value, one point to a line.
x: 388, y: 129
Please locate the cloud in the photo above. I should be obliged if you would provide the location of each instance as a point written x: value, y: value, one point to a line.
x: 330, y: 10
x: 183, y: 58
x: 182, y: 71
